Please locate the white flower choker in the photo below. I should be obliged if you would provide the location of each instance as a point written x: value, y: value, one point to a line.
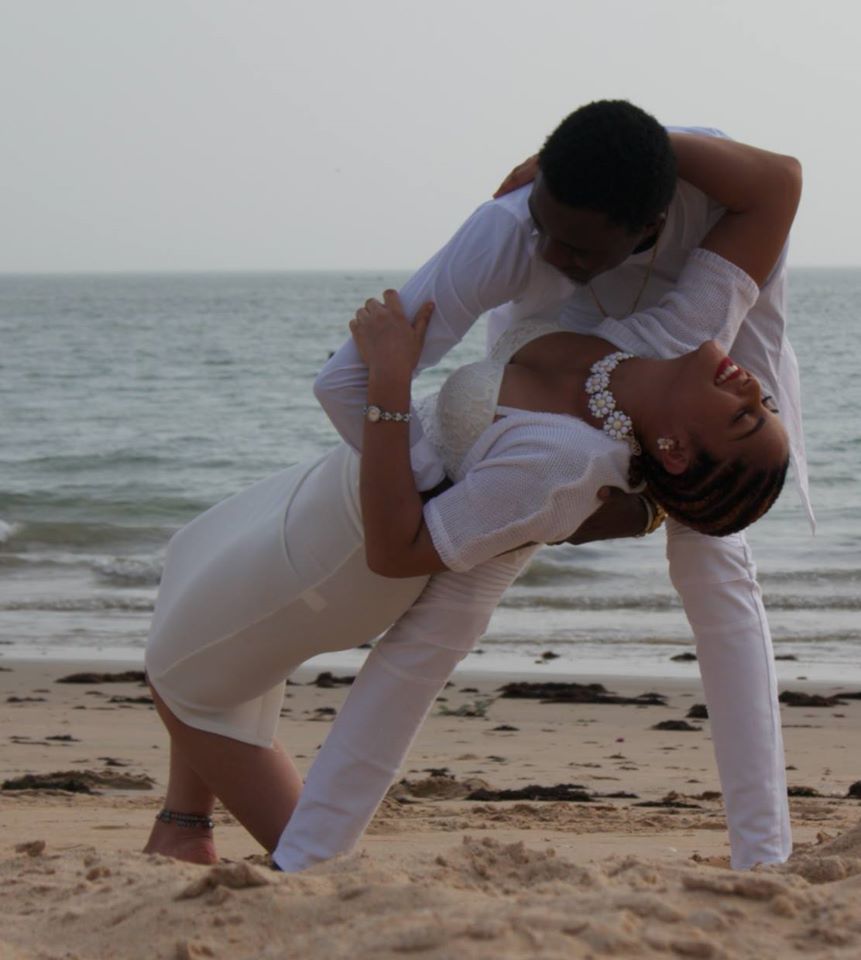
x: 602, y: 403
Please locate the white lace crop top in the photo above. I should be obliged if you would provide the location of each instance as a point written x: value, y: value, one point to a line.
x: 527, y: 477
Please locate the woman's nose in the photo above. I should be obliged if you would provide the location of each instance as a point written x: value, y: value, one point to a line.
x: 752, y: 387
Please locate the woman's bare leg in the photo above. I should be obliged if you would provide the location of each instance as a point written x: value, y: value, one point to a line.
x: 186, y: 793
x: 260, y: 786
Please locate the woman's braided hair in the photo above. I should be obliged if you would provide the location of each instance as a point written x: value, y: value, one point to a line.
x: 716, y: 498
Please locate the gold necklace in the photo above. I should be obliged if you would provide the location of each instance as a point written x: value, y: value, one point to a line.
x: 643, y: 285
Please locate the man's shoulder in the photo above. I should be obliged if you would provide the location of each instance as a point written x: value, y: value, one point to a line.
x: 514, y: 204
x: 500, y: 224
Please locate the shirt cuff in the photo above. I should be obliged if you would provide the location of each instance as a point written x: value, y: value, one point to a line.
x: 441, y: 540
x: 723, y: 270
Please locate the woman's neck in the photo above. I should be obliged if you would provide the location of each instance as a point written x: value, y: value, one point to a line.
x: 638, y: 386
x: 550, y: 373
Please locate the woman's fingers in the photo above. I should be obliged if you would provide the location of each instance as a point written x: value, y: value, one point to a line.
x: 392, y: 302
x: 382, y: 331
x: 420, y: 324
x: 388, y: 318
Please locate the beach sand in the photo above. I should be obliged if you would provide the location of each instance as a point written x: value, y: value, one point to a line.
x: 437, y: 875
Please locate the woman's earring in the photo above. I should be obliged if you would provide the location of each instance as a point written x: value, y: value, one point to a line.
x: 665, y: 444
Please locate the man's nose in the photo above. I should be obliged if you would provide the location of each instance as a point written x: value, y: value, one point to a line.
x: 560, y: 257
x: 553, y: 253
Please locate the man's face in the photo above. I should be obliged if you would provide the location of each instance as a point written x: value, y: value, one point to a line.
x: 579, y: 243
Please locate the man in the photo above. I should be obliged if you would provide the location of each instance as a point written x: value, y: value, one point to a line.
x: 605, y: 230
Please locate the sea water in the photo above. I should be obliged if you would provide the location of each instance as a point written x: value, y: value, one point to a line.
x: 130, y: 403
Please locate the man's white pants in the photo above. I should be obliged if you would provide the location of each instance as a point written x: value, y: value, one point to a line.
x: 716, y: 579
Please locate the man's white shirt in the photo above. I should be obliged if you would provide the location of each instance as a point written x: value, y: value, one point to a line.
x: 492, y: 264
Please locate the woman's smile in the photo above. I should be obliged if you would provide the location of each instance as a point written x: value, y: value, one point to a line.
x: 727, y: 370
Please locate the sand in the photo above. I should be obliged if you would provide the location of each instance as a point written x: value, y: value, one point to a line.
x: 437, y: 875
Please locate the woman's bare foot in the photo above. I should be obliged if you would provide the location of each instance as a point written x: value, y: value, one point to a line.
x: 191, y: 844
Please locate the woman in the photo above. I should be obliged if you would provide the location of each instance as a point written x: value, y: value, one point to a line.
x: 218, y: 647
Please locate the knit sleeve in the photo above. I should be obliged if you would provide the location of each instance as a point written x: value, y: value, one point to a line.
x: 709, y: 302
x: 534, y: 478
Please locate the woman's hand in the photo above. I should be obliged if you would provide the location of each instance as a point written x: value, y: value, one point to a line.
x: 522, y: 174
x: 385, y: 338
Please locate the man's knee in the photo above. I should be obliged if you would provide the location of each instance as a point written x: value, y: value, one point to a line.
x: 715, y: 578
x: 697, y: 561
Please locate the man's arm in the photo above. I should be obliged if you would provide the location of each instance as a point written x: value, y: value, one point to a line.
x: 759, y: 190
x: 486, y: 263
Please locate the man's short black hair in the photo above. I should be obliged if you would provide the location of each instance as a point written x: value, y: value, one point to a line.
x: 612, y: 157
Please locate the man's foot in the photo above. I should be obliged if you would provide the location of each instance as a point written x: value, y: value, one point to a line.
x: 191, y: 844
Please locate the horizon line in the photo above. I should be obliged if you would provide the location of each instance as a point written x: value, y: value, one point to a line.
x: 161, y: 271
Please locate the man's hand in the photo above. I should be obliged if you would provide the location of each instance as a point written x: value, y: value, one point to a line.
x: 522, y: 174
x: 622, y: 515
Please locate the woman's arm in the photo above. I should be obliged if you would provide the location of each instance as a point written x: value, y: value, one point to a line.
x: 484, y: 264
x: 524, y: 485
x: 397, y: 542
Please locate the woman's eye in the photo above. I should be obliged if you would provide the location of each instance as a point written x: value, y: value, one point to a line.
x: 769, y: 404
x: 741, y: 414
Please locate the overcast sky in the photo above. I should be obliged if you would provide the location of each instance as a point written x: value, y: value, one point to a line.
x: 273, y: 134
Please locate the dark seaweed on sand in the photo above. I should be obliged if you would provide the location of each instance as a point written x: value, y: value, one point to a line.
x: 682, y: 725
x: 570, y: 792
x: 793, y: 698
x: 127, y: 676
x: 558, y: 692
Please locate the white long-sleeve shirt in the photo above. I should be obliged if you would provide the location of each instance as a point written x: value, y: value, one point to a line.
x: 492, y: 264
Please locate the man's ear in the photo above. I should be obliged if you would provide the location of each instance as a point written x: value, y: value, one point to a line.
x: 656, y: 226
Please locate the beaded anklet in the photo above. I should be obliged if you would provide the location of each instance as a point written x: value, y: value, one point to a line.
x: 185, y: 819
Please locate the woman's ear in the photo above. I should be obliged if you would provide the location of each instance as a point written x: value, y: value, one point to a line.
x: 674, y: 456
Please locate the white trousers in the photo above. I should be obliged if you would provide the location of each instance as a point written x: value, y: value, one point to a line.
x: 387, y: 705
x: 716, y: 579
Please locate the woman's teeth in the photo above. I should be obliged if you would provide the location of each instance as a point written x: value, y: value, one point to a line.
x: 728, y: 371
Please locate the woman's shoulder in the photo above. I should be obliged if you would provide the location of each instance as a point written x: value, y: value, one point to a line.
x: 524, y: 331
x: 549, y: 441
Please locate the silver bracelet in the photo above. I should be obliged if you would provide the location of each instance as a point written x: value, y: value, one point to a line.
x: 375, y: 414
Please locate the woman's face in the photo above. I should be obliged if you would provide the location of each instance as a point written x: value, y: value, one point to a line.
x: 721, y: 407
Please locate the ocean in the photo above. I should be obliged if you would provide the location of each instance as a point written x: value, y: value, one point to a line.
x: 130, y: 403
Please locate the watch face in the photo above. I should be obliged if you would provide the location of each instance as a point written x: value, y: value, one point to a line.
x: 374, y: 413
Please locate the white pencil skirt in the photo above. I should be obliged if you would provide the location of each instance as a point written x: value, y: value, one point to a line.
x: 257, y: 585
